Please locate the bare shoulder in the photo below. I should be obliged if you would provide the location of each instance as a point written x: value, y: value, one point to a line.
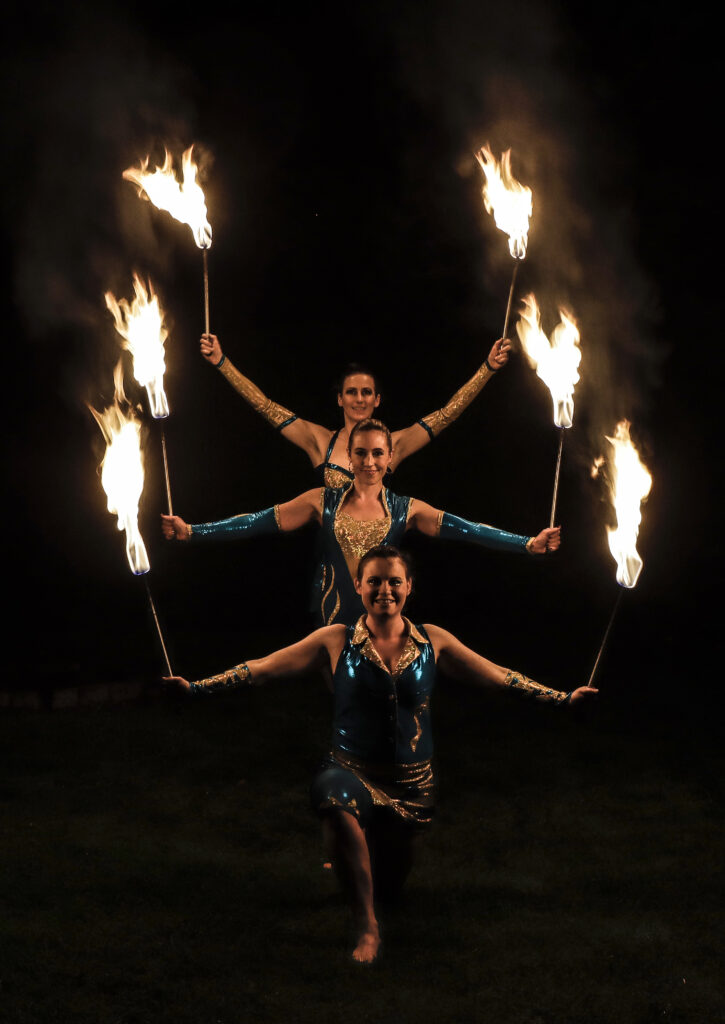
x: 312, y: 437
x: 441, y: 639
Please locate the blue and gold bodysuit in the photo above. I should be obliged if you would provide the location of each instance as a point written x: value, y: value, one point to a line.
x: 329, y: 474
x: 382, y: 738
x: 343, y: 541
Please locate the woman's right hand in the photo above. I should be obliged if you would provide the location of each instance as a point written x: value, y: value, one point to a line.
x: 211, y: 349
x: 174, y: 528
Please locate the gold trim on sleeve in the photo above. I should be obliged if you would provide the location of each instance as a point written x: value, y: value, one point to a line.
x: 535, y: 691
x: 272, y: 412
x: 442, y: 418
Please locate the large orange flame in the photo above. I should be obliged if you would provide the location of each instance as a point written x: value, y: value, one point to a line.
x: 122, y: 472
x: 183, y: 200
x: 510, y: 202
x: 141, y: 325
x: 557, y: 361
x: 629, y: 484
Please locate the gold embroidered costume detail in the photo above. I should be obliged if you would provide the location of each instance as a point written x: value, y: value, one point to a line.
x: 418, y: 726
x: 357, y: 536
x: 273, y: 413
x: 528, y: 688
x: 442, y: 418
x: 328, y: 619
x: 276, y: 517
x: 334, y: 478
x: 233, y: 677
x: 407, y: 789
x: 413, y: 644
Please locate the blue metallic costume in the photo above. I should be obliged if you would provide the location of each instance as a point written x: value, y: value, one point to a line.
x: 343, y: 541
x: 329, y: 474
x: 381, y: 732
x: 382, y: 741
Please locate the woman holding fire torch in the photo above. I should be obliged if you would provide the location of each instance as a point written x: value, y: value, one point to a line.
x: 354, y: 519
x: 358, y: 397
x: 375, y: 791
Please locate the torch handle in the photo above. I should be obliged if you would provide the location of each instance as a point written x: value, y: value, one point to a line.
x: 606, y: 636
x: 510, y: 299
x: 556, y: 477
x: 166, y: 470
x: 158, y: 626
x: 206, y: 289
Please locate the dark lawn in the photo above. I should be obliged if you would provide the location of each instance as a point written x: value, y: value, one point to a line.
x: 159, y: 863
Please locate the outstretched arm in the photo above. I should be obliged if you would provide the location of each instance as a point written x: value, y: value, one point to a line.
x: 462, y: 663
x: 435, y: 523
x: 291, y: 515
x: 319, y: 648
x: 419, y: 434
x: 311, y: 437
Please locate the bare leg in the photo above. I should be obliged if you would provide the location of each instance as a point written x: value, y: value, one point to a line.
x: 351, y: 858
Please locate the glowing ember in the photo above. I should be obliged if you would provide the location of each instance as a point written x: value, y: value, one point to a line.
x: 122, y: 472
x: 629, y: 484
x: 141, y: 325
x: 183, y: 200
x: 555, y: 362
x: 508, y: 200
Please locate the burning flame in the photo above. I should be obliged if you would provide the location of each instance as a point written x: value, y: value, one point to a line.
x: 183, y: 200
x: 630, y: 484
x: 122, y: 471
x: 141, y: 325
x: 508, y: 200
x: 555, y: 362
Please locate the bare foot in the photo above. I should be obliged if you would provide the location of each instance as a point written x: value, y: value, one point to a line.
x: 367, y: 946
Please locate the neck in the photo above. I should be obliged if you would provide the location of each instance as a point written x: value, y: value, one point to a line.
x: 385, y: 626
x: 366, y: 490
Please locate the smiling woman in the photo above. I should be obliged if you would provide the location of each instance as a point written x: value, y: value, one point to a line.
x: 358, y: 397
x: 355, y: 518
x: 375, y: 790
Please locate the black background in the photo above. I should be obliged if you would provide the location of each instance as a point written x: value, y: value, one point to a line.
x: 336, y: 143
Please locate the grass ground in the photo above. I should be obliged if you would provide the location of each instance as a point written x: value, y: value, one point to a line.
x: 159, y: 863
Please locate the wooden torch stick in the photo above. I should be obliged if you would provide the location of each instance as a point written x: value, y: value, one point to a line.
x: 556, y: 476
x: 206, y: 289
x: 606, y: 635
x: 166, y: 470
x: 158, y: 626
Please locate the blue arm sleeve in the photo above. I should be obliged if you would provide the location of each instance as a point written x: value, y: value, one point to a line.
x: 455, y: 528
x: 253, y: 524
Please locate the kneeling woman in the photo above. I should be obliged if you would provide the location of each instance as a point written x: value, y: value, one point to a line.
x: 352, y: 520
x: 375, y: 794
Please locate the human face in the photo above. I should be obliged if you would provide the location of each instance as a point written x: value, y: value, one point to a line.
x: 358, y: 399
x: 384, y: 586
x: 370, y: 456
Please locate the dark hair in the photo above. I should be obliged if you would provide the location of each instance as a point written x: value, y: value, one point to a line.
x: 366, y: 427
x: 389, y: 552
x: 350, y: 370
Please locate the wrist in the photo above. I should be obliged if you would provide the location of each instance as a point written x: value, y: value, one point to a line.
x: 220, y: 363
x: 491, y: 369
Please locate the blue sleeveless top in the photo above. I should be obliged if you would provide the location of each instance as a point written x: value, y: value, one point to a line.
x: 379, y: 717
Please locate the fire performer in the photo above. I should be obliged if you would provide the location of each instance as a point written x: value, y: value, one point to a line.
x: 358, y: 397
x: 354, y: 519
x: 375, y: 792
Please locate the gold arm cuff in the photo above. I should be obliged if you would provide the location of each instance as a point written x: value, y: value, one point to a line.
x: 276, y: 517
x: 273, y: 413
x: 229, y: 680
x: 442, y: 418
x: 534, y: 691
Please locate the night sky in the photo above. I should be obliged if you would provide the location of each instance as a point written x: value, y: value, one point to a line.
x: 337, y: 146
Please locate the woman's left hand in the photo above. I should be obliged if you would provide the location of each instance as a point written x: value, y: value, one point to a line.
x: 547, y: 541
x: 499, y: 354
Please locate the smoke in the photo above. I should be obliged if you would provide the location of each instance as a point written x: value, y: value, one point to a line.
x: 513, y: 76
x: 98, y: 96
